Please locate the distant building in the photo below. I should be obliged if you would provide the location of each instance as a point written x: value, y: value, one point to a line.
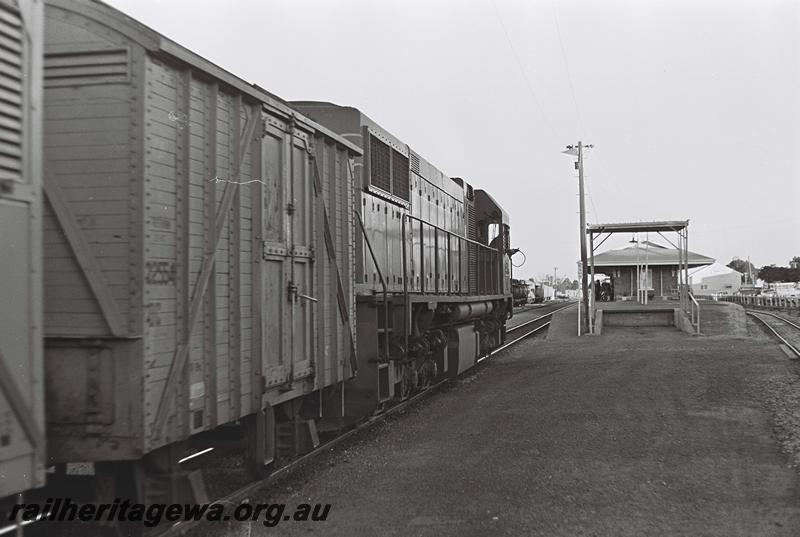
x: 548, y: 291
x: 657, y: 264
x: 715, y: 279
x: 785, y: 288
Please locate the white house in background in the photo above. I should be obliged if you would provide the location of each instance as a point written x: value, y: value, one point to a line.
x: 786, y: 288
x: 714, y: 278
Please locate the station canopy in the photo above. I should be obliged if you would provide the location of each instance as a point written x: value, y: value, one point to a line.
x: 638, y: 227
x: 645, y: 254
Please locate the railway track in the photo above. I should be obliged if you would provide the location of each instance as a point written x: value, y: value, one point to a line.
x: 788, y: 332
x: 520, y: 331
x: 532, y: 327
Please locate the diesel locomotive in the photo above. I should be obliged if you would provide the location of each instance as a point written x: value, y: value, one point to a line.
x: 520, y: 291
x: 432, y: 278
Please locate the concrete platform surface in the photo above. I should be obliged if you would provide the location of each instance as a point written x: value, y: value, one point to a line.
x: 655, y: 304
x: 716, y: 319
x: 666, y: 434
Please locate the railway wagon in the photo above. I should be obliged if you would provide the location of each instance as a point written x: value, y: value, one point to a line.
x: 22, y: 441
x: 538, y: 293
x: 432, y: 273
x: 198, y: 248
x: 519, y: 290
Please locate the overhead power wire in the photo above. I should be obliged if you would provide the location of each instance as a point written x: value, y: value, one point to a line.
x: 574, y: 100
x: 566, y: 67
x: 591, y: 199
x: 533, y: 92
x: 524, y: 73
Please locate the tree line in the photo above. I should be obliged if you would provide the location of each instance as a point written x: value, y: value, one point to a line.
x: 770, y: 273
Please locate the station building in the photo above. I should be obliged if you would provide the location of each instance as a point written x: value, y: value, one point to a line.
x: 658, y: 265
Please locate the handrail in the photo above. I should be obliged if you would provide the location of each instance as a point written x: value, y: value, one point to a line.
x: 453, y: 233
x: 696, y: 305
x: 491, y: 280
x: 383, y: 286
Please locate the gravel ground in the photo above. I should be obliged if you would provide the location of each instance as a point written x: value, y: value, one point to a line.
x: 783, y: 399
x: 643, y: 433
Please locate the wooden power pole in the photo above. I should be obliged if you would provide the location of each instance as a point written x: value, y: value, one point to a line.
x: 585, y: 287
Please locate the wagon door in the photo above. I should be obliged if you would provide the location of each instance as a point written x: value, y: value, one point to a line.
x: 288, y: 228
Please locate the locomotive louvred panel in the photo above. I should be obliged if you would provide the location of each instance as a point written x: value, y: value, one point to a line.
x: 379, y: 164
x: 472, y: 250
x: 400, y: 175
x: 414, y: 162
x: 22, y: 421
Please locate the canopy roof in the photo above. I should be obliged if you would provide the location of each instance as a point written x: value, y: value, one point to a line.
x: 632, y: 227
x: 650, y: 254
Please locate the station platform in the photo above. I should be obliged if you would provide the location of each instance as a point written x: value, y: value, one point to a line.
x: 654, y: 304
x: 716, y: 319
x: 665, y: 434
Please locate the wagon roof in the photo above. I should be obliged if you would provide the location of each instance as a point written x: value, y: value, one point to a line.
x: 155, y: 42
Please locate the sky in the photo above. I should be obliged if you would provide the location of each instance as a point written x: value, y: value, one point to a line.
x: 693, y: 107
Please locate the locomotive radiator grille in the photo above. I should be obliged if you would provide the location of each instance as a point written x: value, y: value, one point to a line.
x: 472, y: 250
x: 400, y: 175
x: 379, y: 164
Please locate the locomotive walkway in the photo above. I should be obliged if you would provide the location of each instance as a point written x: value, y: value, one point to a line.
x: 635, y: 433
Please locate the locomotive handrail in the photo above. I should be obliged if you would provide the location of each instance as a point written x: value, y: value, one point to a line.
x: 471, y: 241
x: 383, y: 286
x: 492, y: 281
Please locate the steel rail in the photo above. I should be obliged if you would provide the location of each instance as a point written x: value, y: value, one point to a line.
x: 520, y: 325
x: 517, y: 340
x: 179, y: 528
x: 528, y: 334
x: 784, y: 319
x: 241, y: 494
x: 791, y: 347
